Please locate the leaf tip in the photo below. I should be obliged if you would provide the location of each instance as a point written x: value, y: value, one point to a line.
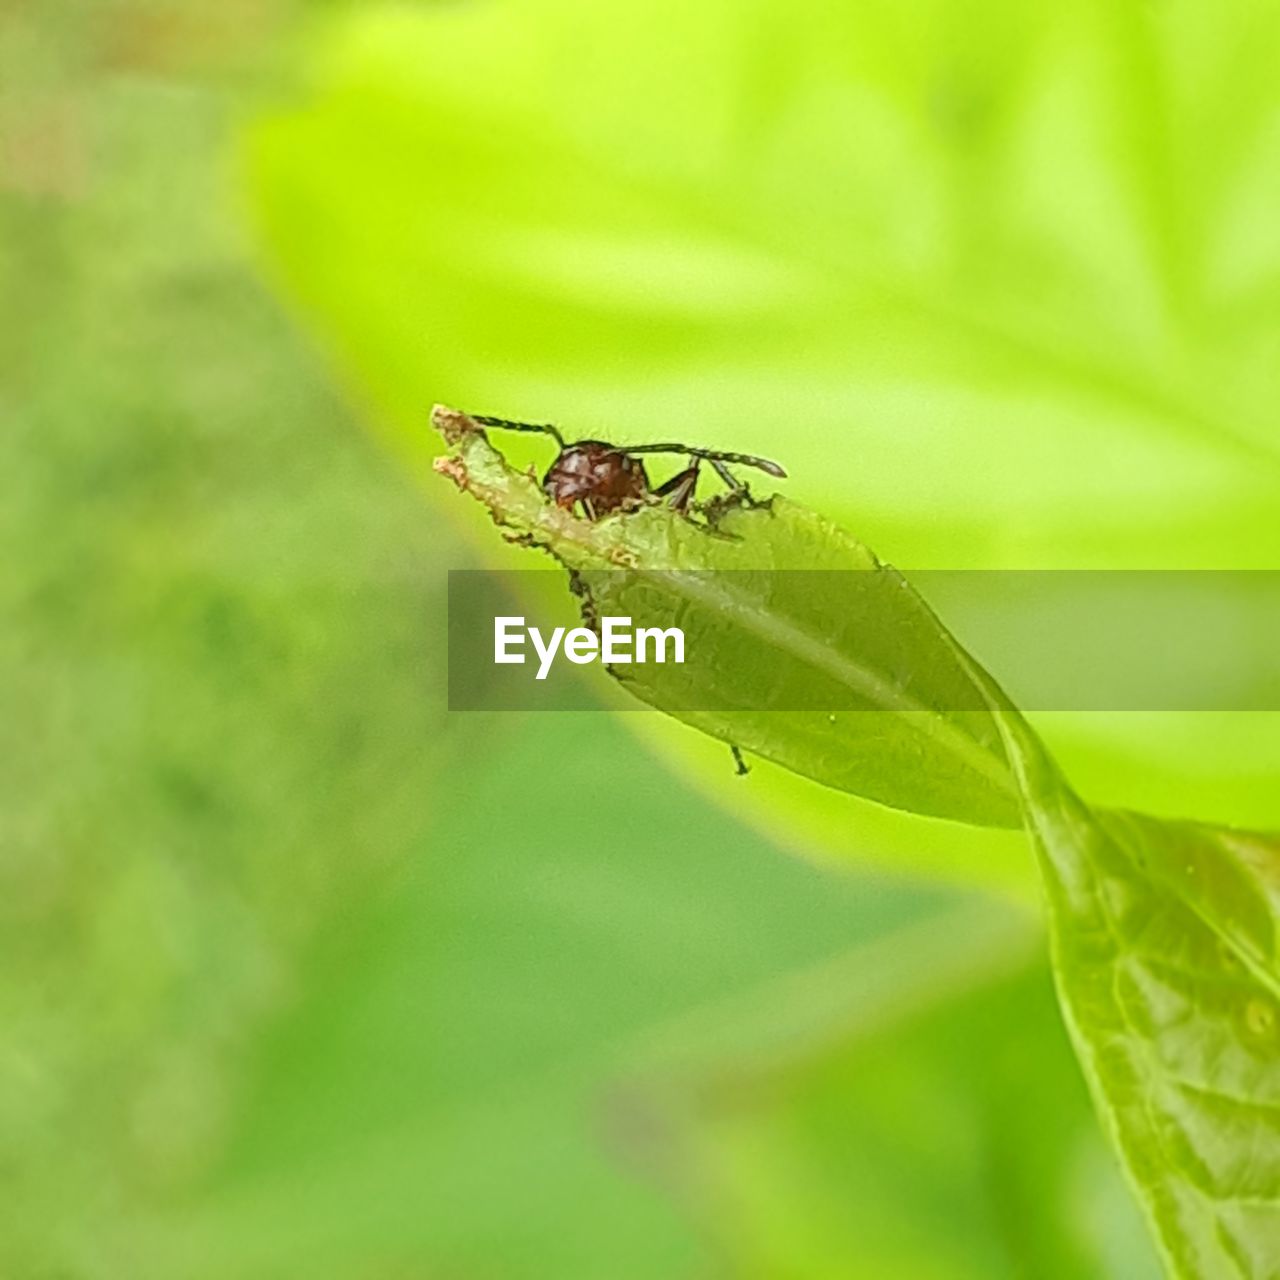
x: 453, y: 424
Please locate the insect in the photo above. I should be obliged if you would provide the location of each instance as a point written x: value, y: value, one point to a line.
x: 604, y: 477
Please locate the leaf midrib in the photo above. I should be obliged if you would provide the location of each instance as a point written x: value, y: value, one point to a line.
x: 815, y: 653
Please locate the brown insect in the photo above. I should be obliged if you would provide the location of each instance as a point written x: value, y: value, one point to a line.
x: 603, y: 478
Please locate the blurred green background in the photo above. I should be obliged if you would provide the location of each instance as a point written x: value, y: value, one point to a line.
x: 303, y: 976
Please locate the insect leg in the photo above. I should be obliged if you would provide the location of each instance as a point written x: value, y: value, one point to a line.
x: 680, y: 488
x: 727, y: 476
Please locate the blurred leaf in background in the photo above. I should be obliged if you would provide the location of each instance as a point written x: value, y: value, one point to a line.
x: 998, y: 284
x: 905, y: 1110
x: 444, y: 1100
x: 221, y: 692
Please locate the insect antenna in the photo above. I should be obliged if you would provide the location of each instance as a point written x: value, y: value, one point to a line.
x: 506, y: 424
x: 710, y: 455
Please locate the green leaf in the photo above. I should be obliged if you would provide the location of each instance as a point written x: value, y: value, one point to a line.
x: 1165, y: 934
x: 881, y: 653
x: 1164, y: 940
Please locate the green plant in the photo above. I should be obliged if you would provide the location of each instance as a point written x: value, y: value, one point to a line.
x: 994, y: 281
x: 1164, y: 935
